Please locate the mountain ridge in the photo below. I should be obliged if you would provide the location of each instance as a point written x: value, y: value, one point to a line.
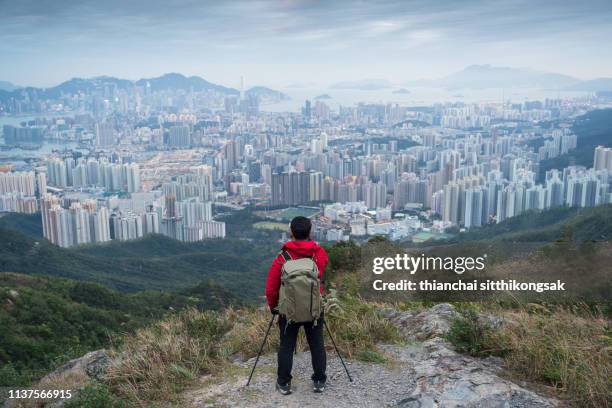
x: 128, y: 267
x: 8, y: 86
x: 488, y: 76
x: 172, y: 80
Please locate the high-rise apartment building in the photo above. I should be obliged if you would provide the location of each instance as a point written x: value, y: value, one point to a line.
x: 105, y: 134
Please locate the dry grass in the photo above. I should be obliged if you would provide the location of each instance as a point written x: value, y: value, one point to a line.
x: 249, y: 327
x: 356, y: 327
x: 569, y: 349
x: 157, y: 362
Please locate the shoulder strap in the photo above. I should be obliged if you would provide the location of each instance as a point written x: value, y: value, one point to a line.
x: 286, y: 256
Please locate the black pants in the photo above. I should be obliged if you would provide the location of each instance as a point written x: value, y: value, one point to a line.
x: 288, y: 338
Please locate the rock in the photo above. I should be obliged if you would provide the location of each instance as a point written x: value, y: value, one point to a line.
x: 71, y: 376
x: 417, y: 402
x: 98, y: 364
x: 494, y: 322
x: 92, y: 365
x: 454, y: 380
x: 425, y: 324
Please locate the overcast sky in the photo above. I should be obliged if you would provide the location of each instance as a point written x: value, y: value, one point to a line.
x: 281, y: 43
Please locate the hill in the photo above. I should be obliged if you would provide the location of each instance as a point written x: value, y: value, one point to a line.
x: 52, y: 320
x: 29, y: 224
x: 406, y: 354
x: 7, y: 86
x: 153, y: 262
x: 587, y: 224
x: 487, y: 76
x: 170, y: 81
x: 593, y: 85
x: 176, y: 81
x: 592, y: 129
x: 401, y: 91
x: 267, y: 95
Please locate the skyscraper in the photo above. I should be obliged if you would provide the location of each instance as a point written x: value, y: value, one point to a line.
x: 602, y: 158
x: 179, y: 136
x: 105, y: 135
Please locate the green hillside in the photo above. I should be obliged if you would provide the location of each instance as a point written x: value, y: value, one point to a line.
x: 52, y: 320
x: 29, y: 224
x: 592, y: 129
x: 545, y: 226
x: 153, y: 262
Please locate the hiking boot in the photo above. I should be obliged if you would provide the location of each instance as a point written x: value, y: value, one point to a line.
x: 318, y: 386
x: 284, y: 389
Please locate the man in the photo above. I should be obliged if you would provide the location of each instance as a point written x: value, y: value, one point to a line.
x: 300, y: 246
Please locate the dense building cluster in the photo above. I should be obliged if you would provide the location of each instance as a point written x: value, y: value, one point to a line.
x: 154, y: 158
x: 19, y: 191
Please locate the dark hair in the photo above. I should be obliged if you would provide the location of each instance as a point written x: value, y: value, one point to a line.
x: 300, y: 227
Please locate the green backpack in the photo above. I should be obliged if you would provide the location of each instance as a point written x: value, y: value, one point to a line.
x: 300, y: 296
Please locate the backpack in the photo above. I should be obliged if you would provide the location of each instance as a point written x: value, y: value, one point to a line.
x: 300, y: 295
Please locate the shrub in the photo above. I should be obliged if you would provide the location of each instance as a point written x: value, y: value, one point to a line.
x: 96, y: 395
x: 468, y: 334
x: 372, y: 356
x: 11, y: 377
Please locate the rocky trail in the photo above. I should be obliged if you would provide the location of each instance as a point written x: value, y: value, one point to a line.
x: 425, y: 373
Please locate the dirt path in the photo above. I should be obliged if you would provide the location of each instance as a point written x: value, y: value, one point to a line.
x: 424, y: 374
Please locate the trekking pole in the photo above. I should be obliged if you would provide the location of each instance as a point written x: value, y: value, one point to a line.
x: 261, y: 349
x: 337, y: 352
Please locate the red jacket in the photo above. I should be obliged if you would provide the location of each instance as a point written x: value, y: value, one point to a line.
x: 296, y: 249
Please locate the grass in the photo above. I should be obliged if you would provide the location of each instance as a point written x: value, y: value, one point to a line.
x: 270, y: 225
x: 468, y: 334
x: 96, y: 395
x: 157, y: 361
x: 161, y: 360
x: 565, y: 348
x: 372, y: 356
x: 568, y: 349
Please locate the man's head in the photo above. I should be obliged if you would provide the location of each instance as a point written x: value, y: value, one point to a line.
x: 300, y: 228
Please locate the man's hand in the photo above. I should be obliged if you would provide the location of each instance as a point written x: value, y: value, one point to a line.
x: 274, y: 311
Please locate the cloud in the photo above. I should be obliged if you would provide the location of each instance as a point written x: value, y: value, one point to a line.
x: 361, y: 38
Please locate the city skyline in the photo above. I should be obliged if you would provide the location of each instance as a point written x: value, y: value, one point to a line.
x: 407, y: 173
x: 298, y: 43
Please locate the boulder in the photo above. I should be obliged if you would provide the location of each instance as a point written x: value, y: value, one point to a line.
x: 423, y: 324
x: 92, y: 365
x: 445, y: 378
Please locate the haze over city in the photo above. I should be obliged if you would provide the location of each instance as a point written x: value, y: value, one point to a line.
x: 292, y: 44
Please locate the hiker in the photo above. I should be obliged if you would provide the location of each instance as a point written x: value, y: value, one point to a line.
x: 293, y: 291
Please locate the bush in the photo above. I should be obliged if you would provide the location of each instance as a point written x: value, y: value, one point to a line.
x: 96, y: 395
x: 468, y: 334
x: 11, y: 377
